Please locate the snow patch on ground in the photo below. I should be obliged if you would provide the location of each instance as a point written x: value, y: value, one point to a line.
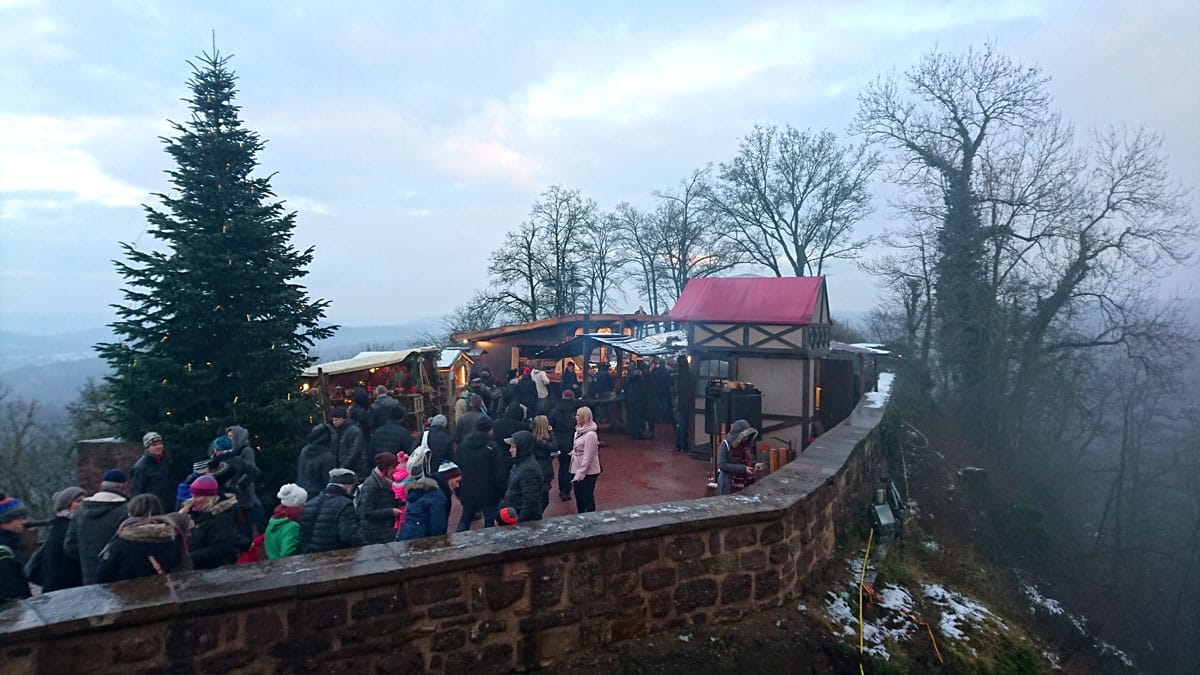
x: 1054, y: 608
x: 958, y: 611
x: 931, y: 545
x: 877, y: 399
x: 889, y: 625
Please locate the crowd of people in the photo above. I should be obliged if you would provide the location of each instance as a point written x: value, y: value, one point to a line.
x: 364, y: 478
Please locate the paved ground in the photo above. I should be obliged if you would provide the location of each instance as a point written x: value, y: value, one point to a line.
x: 635, y: 473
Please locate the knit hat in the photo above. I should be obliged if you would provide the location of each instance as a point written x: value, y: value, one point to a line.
x: 508, y: 515
x: 222, y: 444
x: 380, y: 390
x: 292, y: 495
x: 448, y: 470
x: 527, y: 371
x: 568, y: 394
x: 114, y: 476
x: 150, y: 438
x: 200, y: 467
x: 438, y: 421
x: 204, y: 486
x: 385, y: 460
x: 64, y: 497
x: 342, y: 477
x: 338, y: 412
x: 12, y: 508
x: 484, y: 424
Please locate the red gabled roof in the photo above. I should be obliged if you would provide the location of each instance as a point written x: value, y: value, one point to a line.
x: 762, y: 300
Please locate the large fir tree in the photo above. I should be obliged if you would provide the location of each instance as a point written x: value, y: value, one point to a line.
x: 215, y: 325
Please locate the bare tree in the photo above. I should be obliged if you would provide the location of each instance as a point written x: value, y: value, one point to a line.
x: 907, y: 273
x: 691, y: 242
x: 478, y: 313
x: 516, y: 271
x: 601, y: 265
x: 790, y: 199
x: 36, y: 457
x: 641, y: 238
x: 560, y: 219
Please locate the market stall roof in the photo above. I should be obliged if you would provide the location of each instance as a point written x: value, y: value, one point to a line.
x: 364, y: 361
x: 577, y: 344
x: 450, y: 355
x: 762, y: 300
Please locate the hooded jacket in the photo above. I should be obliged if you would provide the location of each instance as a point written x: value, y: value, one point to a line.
x: 329, y: 522
x: 128, y: 555
x: 243, y: 483
x: 526, y: 483
x: 527, y: 394
x: 728, y: 467
x: 92, y: 526
x: 427, y: 512
x: 315, y: 461
x: 352, y: 445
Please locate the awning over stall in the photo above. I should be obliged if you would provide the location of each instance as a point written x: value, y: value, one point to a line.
x: 588, y: 341
x: 363, y: 361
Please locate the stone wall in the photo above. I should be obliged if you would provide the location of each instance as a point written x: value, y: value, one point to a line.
x: 98, y: 456
x: 484, y: 601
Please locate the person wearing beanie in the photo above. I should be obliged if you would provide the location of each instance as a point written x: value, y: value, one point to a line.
x: 526, y: 487
x: 215, y: 539
x: 13, y: 514
x: 376, y: 505
x: 441, y: 447
x: 96, y: 523
x: 316, y: 460
x: 60, y: 570
x: 282, y: 537
x: 146, y: 544
x: 484, y: 475
x: 329, y: 521
x: 351, y: 441
x: 151, y: 474
x: 428, y: 510
x: 562, y: 419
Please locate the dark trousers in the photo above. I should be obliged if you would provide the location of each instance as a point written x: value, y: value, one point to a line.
x: 564, y: 474
x: 637, y: 419
x: 468, y: 514
x: 585, y: 494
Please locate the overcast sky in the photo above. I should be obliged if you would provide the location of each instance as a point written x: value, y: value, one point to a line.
x: 411, y: 136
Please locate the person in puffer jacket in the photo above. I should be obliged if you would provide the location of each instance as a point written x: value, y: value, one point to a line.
x: 428, y: 509
x: 329, y: 522
x: 316, y: 460
x: 146, y: 544
x: 96, y: 522
x: 282, y: 537
x: 526, y: 484
x: 512, y: 422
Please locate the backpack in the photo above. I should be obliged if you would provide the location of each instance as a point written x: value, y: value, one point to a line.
x: 256, y: 552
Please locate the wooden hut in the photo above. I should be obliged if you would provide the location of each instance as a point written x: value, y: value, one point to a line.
x: 754, y: 343
x: 410, y: 373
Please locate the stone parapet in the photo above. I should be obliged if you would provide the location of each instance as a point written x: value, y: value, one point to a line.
x: 491, y: 600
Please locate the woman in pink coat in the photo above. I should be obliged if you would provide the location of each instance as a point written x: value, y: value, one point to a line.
x: 398, y: 489
x: 585, y: 460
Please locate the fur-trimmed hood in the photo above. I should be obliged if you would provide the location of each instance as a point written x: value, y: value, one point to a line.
x: 741, y: 432
x: 223, y: 504
x: 147, y: 530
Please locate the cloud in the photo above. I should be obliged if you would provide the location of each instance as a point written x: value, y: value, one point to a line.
x: 46, y: 154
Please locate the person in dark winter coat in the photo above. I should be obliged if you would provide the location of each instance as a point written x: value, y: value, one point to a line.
x: 685, y: 404
x: 527, y: 394
x: 151, y: 474
x: 570, y: 380
x: 512, y: 422
x: 664, y: 402
x: 13, y: 584
x: 735, y: 458
x: 376, y: 505
x: 60, y: 570
x: 244, y: 482
x: 440, y: 446
x: 360, y: 411
x: 96, y: 523
x: 428, y: 507
x: 329, y: 522
x: 382, y: 408
x: 146, y: 544
x: 215, y: 540
x: 391, y: 435
x: 636, y: 398
x: 315, y: 461
x: 465, y: 424
x: 484, y: 475
x: 562, y: 418
x: 526, y: 485
x: 351, y: 441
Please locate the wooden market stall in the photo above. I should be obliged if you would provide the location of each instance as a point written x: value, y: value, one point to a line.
x: 411, y: 375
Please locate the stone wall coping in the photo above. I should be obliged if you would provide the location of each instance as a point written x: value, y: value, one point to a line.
x: 154, y: 599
